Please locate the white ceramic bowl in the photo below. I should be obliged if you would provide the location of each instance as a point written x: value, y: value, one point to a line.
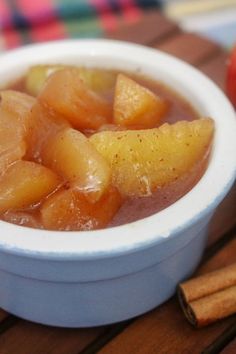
x: 80, y: 279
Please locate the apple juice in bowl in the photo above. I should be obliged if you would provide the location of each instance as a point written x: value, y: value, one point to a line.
x: 86, y: 149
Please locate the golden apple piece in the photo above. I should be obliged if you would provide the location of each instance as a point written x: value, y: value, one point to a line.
x: 22, y: 218
x: 70, y: 210
x: 25, y: 183
x: 42, y: 125
x: 141, y: 161
x: 12, y: 145
x: 71, y: 154
x: 37, y: 75
x: 136, y: 105
x: 98, y: 80
x: 67, y: 95
x: 17, y: 103
x: 14, y: 111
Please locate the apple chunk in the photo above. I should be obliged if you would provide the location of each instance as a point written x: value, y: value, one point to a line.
x: 136, y: 105
x: 67, y: 95
x: 18, y: 104
x: 141, y: 161
x: 71, y: 154
x: 42, y: 126
x: 14, y: 112
x: 98, y: 80
x: 37, y: 75
x: 25, y: 183
x: 70, y: 210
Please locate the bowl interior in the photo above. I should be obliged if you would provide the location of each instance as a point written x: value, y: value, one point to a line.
x: 205, y: 97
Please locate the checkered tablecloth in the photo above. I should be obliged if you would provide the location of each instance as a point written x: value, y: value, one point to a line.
x: 27, y: 21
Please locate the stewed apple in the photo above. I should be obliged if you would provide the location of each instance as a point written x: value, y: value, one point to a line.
x: 79, y: 146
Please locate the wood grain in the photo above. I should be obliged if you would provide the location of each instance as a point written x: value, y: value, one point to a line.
x: 147, y: 29
x: 165, y: 329
x: 30, y: 338
x: 189, y: 47
x: 230, y: 349
x: 3, y: 315
x: 215, y: 68
x: 222, y: 341
x: 224, y: 218
x: 224, y: 257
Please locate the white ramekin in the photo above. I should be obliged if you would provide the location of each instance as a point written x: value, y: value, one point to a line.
x: 79, y: 279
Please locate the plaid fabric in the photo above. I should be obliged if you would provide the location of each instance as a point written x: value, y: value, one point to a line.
x: 26, y: 21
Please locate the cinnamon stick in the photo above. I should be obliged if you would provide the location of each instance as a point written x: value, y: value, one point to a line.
x: 209, y: 297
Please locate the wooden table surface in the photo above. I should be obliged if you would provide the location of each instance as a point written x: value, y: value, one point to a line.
x: 163, y: 330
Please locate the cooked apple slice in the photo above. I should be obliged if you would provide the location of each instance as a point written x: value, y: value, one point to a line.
x: 14, y: 110
x: 37, y: 75
x: 66, y: 94
x: 70, y: 210
x: 17, y: 103
x: 136, y: 105
x: 141, y: 161
x: 22, y: 218
x: 25, y: 183
x: 42, y: 125
x: 96, y: 79
x: 71, y: 154
x: 12, y: 144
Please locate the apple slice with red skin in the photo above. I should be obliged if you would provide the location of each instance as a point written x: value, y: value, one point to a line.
x: 231, y: 78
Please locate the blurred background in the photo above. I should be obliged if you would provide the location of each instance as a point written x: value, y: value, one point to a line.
x: 27, y: 21
x: 215, y: 19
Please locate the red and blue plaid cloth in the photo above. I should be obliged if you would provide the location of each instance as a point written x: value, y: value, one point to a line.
x: 26, y: 21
